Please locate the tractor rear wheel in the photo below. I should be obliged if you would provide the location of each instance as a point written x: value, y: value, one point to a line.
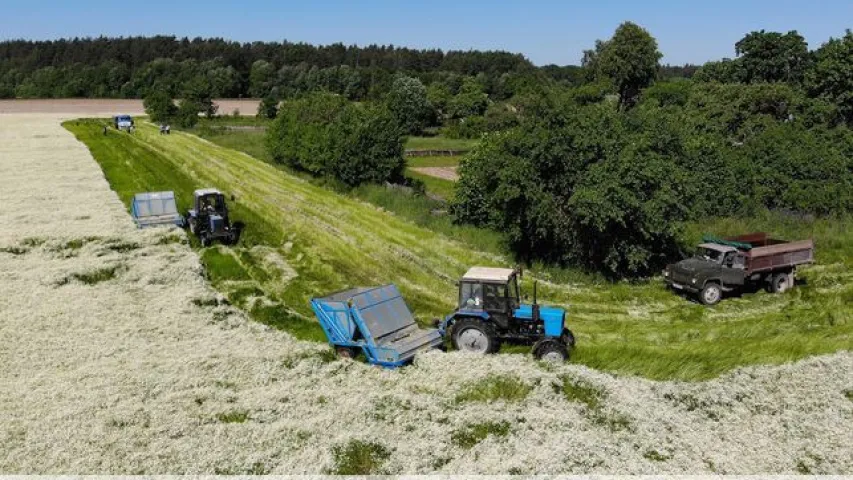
x: 474, y: 335
x: 551, y: 350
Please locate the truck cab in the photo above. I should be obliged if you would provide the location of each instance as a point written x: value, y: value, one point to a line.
x: 490, y: 312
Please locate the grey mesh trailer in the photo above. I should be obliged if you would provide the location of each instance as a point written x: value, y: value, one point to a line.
x: 376, y: 321
x: 155, y: 208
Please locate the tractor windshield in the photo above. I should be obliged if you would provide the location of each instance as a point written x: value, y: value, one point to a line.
x: 214, y: 203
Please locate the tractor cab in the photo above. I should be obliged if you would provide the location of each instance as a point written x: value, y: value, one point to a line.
x: 208, y: 219
x: 490, y: 312
x: 490, y: 290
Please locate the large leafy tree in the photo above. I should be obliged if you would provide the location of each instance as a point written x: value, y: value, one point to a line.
x: 409, y: 104
x: 832, y: 75
x: 773, y: 57
x: 159, y: 106
x: 198, y: 91
x: 328, y: 136
x: 630, y: 59
x: 261, y: 78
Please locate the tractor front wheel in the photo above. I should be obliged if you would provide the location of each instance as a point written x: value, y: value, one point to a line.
x: 551, y: 350
x: 192, y: 225
x: 568, y: 338
x: 205, y: 240
x: 474, y: 335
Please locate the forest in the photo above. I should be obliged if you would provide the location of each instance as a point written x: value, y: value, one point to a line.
x: 134, y: 66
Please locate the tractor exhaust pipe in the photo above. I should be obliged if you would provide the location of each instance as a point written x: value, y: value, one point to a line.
x: 535, y: 306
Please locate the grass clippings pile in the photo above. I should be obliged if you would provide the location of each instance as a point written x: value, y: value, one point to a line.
x: 148, y: 370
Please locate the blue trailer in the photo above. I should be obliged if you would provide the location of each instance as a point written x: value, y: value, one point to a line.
x: 375, y: 321
x: 155, y: 208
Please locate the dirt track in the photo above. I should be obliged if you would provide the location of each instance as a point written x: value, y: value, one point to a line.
x: 444, y: 173
x: 107, y: 107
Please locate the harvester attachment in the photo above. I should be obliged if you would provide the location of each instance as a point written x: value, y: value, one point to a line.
x: 155, y: 208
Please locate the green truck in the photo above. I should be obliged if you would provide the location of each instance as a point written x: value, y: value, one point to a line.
x: 737, y: 263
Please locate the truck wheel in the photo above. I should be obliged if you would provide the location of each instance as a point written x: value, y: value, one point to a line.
x: 779, y: 283
x: 711, y: 294
x: 551, y: 350
x: 474, y: 335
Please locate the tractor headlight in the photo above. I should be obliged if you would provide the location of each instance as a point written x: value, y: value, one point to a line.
x: 694, y: 281
x: 666, y: 273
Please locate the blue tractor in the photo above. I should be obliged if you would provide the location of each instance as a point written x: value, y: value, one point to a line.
x: 490, y: 313
x: 208, y: 219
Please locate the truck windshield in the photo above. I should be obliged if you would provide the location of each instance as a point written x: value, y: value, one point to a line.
x: 710, y: 255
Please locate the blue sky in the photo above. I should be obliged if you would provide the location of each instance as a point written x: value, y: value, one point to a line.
x: 544, y: 31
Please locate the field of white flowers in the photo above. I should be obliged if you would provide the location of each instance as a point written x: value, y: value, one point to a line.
x: 117, y: 357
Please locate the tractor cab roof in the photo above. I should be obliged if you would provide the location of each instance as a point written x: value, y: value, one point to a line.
x: 206, y: 191
x: 717, y: 247
x: 489, y: 274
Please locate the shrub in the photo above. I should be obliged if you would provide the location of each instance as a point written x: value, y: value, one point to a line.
x: 268, y: 107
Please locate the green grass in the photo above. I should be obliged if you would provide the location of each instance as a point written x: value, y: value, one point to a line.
x: 582, y: 392
x: 438, y: 186
x: 233, y: 417
x: 470, y: 435
x: 439, y: 143
x: 92, y: 277
x: 375, y: 235
x: 494, y: 388
x: 359, y: 458
x: 592, y: 398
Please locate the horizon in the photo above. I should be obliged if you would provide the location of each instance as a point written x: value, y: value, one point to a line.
x: 552, y: 34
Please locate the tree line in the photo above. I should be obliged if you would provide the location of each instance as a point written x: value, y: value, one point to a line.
x: 131, y: 67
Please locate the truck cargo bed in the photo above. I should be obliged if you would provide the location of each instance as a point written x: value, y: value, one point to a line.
x: 768, y: 253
